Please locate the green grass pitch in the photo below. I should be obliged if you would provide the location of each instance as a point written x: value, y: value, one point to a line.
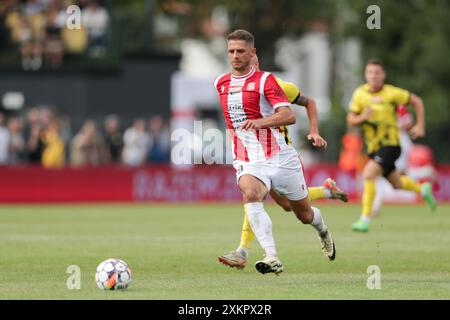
x: 172, y: 251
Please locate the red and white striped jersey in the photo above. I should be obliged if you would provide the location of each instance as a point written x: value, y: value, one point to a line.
x: 248, y: 97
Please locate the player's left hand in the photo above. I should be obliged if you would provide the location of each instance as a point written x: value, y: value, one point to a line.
x: 251, y: 125
x: 417, y: 132
x: 317, y: 140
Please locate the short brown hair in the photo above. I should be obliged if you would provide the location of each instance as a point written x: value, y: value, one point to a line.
x: 376, y: 62
x: 241, y: 34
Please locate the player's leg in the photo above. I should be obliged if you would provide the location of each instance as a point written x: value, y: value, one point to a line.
x: 370, y: 173
x: 254, y: 192
x: 247, y: 235
x: 238, y: 257
x: 329, y: 190
x: 290, y: 182
x: 311, y: 215
x: 378, y: 201
x: 407, y: 183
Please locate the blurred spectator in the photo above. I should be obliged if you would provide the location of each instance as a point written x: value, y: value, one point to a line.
x: 16, y: 140
x: 53, y: 155
x: 33, y: 134
x: 86, y: 147
x: 12, y: 11
x: 38, y: 28
x: 46, y: 115
x: 54, y: 50
x: 32, y: 34
x: 96, y: 20
x: 113, y: 138
x: 75, y: 41
x: 159, y: 141
x: 136, y: 143
x: 4, y: 141
x: 33, y: 7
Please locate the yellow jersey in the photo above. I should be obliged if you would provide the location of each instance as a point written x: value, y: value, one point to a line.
x: 292, y: 92
x: 381, y: 129
x: 53, y: 155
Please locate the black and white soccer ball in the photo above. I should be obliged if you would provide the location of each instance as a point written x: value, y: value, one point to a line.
x: 113, y: 274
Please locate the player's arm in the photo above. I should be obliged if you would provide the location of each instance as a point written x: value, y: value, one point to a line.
x: 357, y: 113
x: 311, y: 111
x: 418, y: 130
x: 283, y: 116
x: 355, y: 119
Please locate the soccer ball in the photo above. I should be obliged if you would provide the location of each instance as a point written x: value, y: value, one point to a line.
x: 113, y: 274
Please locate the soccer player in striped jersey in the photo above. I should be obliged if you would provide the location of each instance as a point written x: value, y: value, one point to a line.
x: 238, y: 258
x: 255, y: 107
x: 373, y: 107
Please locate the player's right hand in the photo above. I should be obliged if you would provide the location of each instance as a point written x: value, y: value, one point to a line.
x: 251, y: 125
x: 366, y: 113
x: 417, y: 132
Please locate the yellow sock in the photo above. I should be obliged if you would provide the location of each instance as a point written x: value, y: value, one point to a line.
x: 368, y: 197
x: 409, y: 183
x: 247, y: 234
x: 315, y: 193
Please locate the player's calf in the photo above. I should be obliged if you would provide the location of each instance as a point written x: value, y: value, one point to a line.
x: 302, y: 210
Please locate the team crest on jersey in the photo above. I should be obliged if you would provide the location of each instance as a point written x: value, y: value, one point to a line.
x: 251, y: 86
x: 377, y: 99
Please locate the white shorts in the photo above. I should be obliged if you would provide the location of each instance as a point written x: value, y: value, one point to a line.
x: 282, y: 173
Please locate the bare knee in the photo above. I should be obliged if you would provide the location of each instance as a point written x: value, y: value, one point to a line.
x: 372, y: 170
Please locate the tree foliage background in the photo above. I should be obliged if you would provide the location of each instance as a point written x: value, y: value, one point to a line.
x: 414, y: 42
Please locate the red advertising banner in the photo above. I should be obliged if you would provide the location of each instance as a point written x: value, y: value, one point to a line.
x: 157, y: 184
x: 36, y: 184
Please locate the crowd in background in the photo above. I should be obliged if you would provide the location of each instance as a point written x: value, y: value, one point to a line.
x: 41, y: 137
x: 40, y: 31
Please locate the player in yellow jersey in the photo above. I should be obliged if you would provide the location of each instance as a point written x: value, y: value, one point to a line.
x: 330, y: 190
x: 373, y: 107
